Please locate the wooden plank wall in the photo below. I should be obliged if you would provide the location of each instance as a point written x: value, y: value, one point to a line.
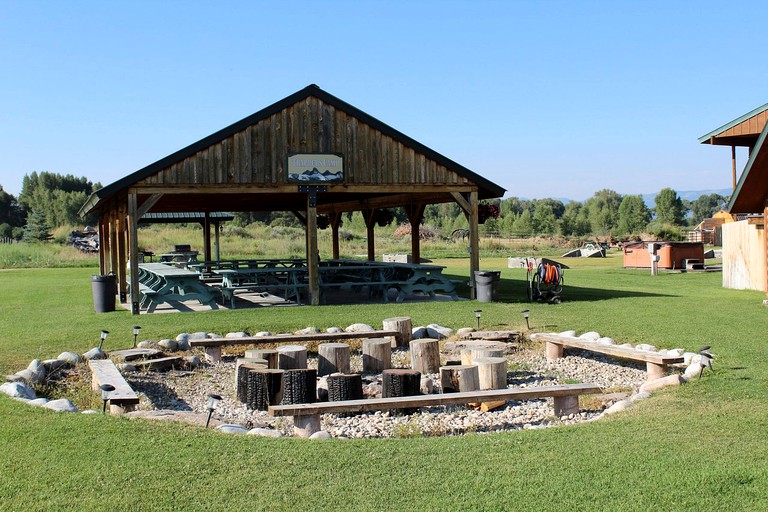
x: 752, y: 126
x: 257, y: 155
x: 744, y: 258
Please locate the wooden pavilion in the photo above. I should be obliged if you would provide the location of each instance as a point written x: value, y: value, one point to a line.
x: 745, y: 246
x: 310, y: 153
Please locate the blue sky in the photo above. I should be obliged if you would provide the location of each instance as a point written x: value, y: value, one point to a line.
x: 545, y: 98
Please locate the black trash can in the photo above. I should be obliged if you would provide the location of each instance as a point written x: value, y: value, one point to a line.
x: 104, y: 292
x: 487, y: 284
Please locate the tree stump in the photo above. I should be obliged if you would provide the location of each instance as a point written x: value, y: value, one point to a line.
x: 425, y: 355
x: 345, y: 386
x: 492, y: 372
x: 299, y: 386
x: 264, y: 353
x: 401, y: 324
x: 264, y: 388
x: 396, y: 382
x: 468, y: 355
x: 459, y: 378
x: 377, y: 355
x: 292, y: 357
x: 252, y: 363
x: 332, y: 358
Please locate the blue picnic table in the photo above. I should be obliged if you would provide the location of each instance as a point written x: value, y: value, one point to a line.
x: 161, y: 283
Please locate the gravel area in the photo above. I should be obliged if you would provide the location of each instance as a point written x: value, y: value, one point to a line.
x: 187, y: 391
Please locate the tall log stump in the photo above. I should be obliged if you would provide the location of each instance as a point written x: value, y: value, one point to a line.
x: 396, y: 382
x: 292, y: 357
x: 269, y: 354
x: 401, y: 324
x: 252, y: 362
x: 299, y: 386
x: 264, y: 387
x: 345, y: 386
x: 332, y: 358
x: 492, y: 372
x: 468, y: 355
x: 425, y: 355
x: 459, y: 378
x: 377, y: 355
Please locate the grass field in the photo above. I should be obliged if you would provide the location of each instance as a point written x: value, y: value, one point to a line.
x: 699, y: 447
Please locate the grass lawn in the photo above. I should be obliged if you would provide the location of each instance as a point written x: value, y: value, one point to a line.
x: 699, y: 447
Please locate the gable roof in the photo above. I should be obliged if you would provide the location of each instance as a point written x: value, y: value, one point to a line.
x: 732, y: 133
x: 487, y: 188
x: 752, y: 188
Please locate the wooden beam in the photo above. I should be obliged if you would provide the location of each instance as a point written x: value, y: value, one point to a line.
x: 291, y: 188
x: 122, y: 253
x: 474, y: 242
x: 415, y: 215
x: 335, y: 225
x: 207, y: 236
x: 312, y: 255
x: 388, y: 201
x: 148, y: 203
x: 133, y: 219
x: 295, y: 338
x: 462, y: 202
x: 370, y: 223
x: 302, y: 218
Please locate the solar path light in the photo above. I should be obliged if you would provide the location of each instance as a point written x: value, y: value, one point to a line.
x: 106, y: 389
x: 706, y: 359
x: 213, y: 403
x: 478, y: 312
x: 526, y: 312
x: 104, y: 335
x: 136, y: 330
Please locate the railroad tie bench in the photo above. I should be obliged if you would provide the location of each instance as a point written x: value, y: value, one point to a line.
x: 306, y: 417
x: 212, y: 347
x: 656, y: 364
x: 123, y: 399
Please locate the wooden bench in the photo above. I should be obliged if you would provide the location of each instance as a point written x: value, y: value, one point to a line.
x: 656, y: 364
x: 212, y: 347
x: 289, y: 291
x: 122, y: 399
x: 306, y: 417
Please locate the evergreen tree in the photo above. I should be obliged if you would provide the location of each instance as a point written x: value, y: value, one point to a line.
x: 523, y: 224
x: 36, y: 230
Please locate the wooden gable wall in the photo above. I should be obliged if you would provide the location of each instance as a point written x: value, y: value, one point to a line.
x: 257, y: 155
x: 752, y: 126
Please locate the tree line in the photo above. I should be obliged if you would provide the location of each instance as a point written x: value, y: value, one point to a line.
x: 48, y: 201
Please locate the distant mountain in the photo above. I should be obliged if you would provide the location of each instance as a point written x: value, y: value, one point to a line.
x: 690, y: 195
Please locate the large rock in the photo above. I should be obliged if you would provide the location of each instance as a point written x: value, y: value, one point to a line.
x: 237, y: 334
x: 197, y: 336
x: 261, y: 334
x: 320, y: 434
x: 334, y: 330
x: 322, y: 389
x: 571, y: 334
x: 418, y: 332
x: 170, y: 345
x: 231, y: 428
x: 646, y: 347
x: 309, y: 330
x: 359, y: 328
x: 61, y: 405
x: 661, y: 383
x: 605, y: 341
x: 618, y: 406
x: 590, y: 336
x: 51, y: 365
x: 30, y: 376
x: 94, y: 353
x: 639, y: 396
x: 438, y: 331
x: 690, y: 358
x: 692, y: 372
x: 70, y: 357
x: 192, y: 361
x: 426, y: 386
x: 38, y: 402
x: 146, y: 344
x: 464, y: 332
x: 265, y: 432
x: 18, y: 390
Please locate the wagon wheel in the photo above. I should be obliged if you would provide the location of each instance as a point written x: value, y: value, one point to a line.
x: 459, y: 233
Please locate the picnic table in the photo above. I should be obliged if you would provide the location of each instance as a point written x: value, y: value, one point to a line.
x: 285, y: 279
x: 159, y: 283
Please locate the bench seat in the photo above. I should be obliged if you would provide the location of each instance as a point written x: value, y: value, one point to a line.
x: 656, y: 364
x: 123, y: 398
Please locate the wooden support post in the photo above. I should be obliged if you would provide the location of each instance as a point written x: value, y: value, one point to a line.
x: 655, y: 371
x: 469, y: 205
x: 370, y: 223
x: 565, y: 405
x: 133, y: 219
x: 377, y: 355
x: 332, y: 358
x: 312, y: 254
x: 403, y: 325
x: 554, y: 351
x: 415, y: 216
x: 212, y: 354
x: 733, y: 166
x: 113, y: 227
x: 207, y: 237
x: 305, y: 426
x: 459, y: 378
x: 122, y: 255
x: 492, y: 372
x: 216, y: 247
x: 335, y: 225
x: 291, y: 357
x: 425, y: 355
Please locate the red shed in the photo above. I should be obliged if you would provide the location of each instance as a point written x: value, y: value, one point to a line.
x: 672, y: 255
